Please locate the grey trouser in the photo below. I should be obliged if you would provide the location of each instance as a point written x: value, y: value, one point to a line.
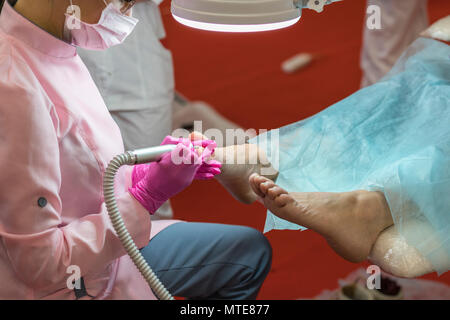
x: 210, y: 261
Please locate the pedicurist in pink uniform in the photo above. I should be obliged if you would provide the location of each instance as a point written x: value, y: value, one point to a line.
x: 56, y: 139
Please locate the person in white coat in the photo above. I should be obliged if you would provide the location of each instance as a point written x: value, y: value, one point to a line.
x: 136, y: 79
x: 137, y: 83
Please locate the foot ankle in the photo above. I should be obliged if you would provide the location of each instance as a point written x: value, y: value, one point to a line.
x: 373, y: 207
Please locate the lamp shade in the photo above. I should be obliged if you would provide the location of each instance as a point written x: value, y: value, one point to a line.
x: 236, y: 15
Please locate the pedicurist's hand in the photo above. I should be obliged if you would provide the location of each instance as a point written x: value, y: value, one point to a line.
x: 206, y: 148
x: 209, y: 167
x: 155, y: 183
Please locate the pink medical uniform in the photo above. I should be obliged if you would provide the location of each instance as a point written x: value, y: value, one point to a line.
x: 56, y: 139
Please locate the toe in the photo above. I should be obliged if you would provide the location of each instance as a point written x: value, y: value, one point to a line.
x: 260, y: 178
x: 255, y: 185
x: 265, y: 186
x: 261, y: 184
x: 275, y: 191
x: 279, y: 205
x: 283, y: 199
x: 284, y: 206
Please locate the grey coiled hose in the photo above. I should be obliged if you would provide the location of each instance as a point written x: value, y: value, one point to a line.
x: 129, y: 158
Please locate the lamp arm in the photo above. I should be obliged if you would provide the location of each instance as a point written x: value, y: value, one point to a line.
x: 316, y: 5
x: 299, y: 3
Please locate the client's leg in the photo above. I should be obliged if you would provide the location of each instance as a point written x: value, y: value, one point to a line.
x: 350, y: 222
x: 210, y: 261
x: 394, y: 255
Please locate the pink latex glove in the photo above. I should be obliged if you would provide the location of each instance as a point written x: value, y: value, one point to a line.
x: 155, y: 183
x: 209, y: 168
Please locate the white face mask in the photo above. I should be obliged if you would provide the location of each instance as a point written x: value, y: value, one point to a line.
x: 112, y: 29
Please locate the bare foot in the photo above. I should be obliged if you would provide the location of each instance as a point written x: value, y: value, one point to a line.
x: 238, y: 163
x: 349, y: 221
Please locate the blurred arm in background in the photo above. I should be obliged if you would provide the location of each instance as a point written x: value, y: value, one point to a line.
x: 401, y: 23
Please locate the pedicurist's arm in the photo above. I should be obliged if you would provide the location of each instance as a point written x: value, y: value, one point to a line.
x: 39, y: 246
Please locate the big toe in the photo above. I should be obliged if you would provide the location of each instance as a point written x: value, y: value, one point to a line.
x: 255, y: 184
x: 260, y: 184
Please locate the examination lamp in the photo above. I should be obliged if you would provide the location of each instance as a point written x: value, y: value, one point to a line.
x: 237, y: 15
